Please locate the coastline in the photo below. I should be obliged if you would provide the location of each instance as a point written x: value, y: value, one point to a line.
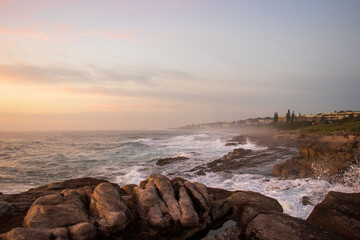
x: 160, y: 208
x: 15, y: 207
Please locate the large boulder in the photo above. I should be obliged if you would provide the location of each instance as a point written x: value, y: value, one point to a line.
x: 176, y: 207
x: 150, y: 207
x: 167, y: 194
x: 339, y: 213
x: 56, y: 210
x: 109, y: 210
x: 21, y: 202
x: 247, y: 205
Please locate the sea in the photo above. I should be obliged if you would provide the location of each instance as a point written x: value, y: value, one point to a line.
x: 31, y: 159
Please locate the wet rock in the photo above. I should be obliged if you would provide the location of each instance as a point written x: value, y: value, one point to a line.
x: 279, y: 226
x: 231, y: 144
x: 293, y: 168
x: 229, y: 161
x: 109, y: 210
x: 165, y: 161
x: 339, y: 213
x: 306, y: 201
x: 239, y: 139
x: 56, y: 210
x: 82, y: 231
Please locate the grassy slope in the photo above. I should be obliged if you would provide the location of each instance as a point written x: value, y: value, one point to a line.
x: 326, y: 129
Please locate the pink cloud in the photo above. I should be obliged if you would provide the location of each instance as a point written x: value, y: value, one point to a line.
x: 100, y: 91
x: 24, y: 32
x: 105, y: 33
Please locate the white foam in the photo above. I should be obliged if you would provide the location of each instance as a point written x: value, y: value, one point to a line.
x: 132, y: 175
x: 289, y: 193
x: 252, y: 146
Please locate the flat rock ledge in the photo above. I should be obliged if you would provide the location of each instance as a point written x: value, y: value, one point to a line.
x: 158, y: 208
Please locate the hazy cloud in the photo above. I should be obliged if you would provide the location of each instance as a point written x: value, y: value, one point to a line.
x: 23, y: 32
x: 37, y: 74
x: 106, y: 33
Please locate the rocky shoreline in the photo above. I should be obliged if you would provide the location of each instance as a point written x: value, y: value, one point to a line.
x: 163, y: 208
x: 160, y: 208
x: 321, y: 157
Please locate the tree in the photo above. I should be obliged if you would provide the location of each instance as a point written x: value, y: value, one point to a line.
x: 288, y: 116
x: 293, y: 117
x: 276, y: 117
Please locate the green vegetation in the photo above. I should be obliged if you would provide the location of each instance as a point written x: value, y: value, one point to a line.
x: 323, y: 126
x: 293, y: 125
x: 328, y: 128
x: 288, y: 116
x: 276, y: 117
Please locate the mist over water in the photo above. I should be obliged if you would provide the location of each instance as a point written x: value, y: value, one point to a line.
x: 32, y: 159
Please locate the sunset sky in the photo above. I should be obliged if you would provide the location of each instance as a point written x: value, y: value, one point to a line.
x: 124, y: 65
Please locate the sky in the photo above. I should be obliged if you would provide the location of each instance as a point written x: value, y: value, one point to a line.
x: 157, y: 64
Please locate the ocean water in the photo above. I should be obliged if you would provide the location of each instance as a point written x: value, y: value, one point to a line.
x: 31, y: 159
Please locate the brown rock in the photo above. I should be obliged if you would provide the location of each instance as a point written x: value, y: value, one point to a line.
x: 110, y: 211
x: 150, y: 207
x: 279, y: 226
x: 54, y: 211
x: 247, y: 205
x: 167, y: 194
x: 339, y: 213
x: 21, y: 202
x: 200, y: 202
x: 189, y: 217
x: 58, y: 233
x: 129, y: 189
x: 319, y: 159
x: 35, y: 234
x: 25, y: 234
x: 82, y: 231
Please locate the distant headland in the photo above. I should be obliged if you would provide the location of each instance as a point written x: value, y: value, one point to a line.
x: 323, y: 123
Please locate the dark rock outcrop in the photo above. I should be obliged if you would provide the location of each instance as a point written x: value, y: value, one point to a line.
x: 339, y: 213
x: 165, y: 161
x: 231, y: 144
x: 319, y: 159
x: 229, y: 161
